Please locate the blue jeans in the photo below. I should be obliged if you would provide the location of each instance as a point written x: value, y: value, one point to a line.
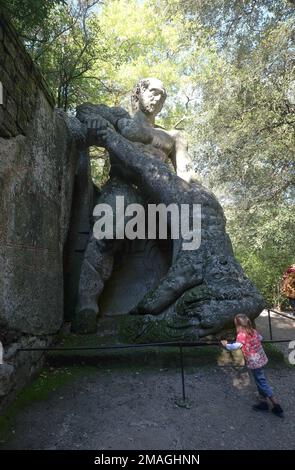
x: 261, y: 382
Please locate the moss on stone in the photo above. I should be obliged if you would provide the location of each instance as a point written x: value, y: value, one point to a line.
x: 49, y: 380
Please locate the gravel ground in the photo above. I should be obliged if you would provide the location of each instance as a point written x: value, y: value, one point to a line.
x: 137, y: 410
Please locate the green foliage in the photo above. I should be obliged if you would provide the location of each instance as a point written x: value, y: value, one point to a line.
x: 28, y: 15
x: 244, y: 140
x: 263, y: 245
x: 100, y: 166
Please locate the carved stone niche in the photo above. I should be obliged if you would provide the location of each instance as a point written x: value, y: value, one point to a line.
x: 138, y: 267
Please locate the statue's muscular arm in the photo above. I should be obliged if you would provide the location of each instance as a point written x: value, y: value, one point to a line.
x: 99, y: 117
x: 135, y: 131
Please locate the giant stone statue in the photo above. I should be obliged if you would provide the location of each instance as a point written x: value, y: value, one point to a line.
x: 199, y: 291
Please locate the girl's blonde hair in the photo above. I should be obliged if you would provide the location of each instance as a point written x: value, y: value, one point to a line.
x: 243, y: 322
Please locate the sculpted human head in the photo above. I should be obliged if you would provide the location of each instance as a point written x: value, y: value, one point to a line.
x: 148, y: 96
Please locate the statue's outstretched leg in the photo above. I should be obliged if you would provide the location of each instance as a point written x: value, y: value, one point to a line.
x: 96, y: 269
x: 97, y: 265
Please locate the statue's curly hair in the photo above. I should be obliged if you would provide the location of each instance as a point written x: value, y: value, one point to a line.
x: 139, y: 88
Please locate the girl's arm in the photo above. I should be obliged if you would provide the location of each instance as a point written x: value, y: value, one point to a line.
x: 231, y: 346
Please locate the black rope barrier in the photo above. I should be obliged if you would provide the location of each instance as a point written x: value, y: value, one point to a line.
x: 285, y: 315
x: 174, y: 344
x: 141, y: 345
x: 180, y: 345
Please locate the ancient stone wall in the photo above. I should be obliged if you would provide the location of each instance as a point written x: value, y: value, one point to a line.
x: 38, y: 162
x: 20, y: 82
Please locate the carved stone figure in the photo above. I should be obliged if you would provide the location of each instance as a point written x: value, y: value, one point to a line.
x: 203, y: 289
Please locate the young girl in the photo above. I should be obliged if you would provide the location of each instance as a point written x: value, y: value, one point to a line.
x: 249, y: 340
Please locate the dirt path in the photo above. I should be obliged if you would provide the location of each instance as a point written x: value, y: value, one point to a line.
x: 133, y: 407
x: 138, y: 411
x: 282, y: 328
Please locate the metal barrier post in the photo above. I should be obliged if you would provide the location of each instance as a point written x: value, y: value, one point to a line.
x: 182, y: 403
x: 182, y: 373
x: 269, y: 324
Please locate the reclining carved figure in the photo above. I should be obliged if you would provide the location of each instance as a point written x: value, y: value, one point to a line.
x: 204, y: 288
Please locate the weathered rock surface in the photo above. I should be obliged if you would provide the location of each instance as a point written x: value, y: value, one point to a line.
x: 39, y: 161
x: 204, y: 288
x: 36, y: 174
